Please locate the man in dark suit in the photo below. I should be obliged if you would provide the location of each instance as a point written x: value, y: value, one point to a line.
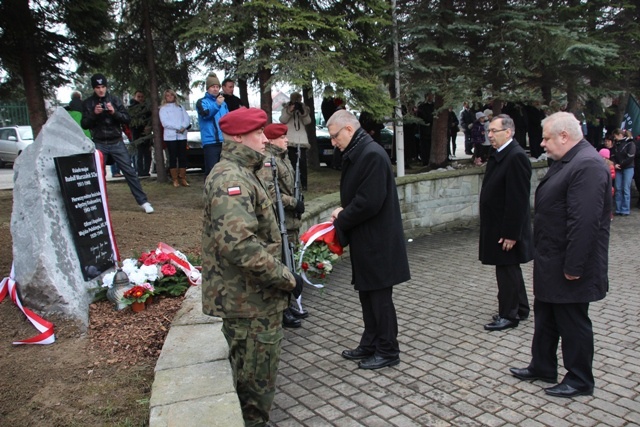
x: 505, y: 222
x: 369, y: 221
x: 571, y: 235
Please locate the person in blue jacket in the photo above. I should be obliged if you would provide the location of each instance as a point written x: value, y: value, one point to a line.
x: 210, y: 109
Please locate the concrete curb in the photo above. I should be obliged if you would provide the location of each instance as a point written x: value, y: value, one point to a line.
x: 193, y: 382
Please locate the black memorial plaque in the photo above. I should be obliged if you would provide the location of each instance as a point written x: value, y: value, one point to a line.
x: 82, y: 197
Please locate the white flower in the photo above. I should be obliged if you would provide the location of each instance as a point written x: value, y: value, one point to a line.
x: 150, y: 272
x: 137, y: 277
x: 129, y: 265
x: 107, y: 279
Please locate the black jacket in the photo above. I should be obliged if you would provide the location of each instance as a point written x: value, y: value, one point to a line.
x: 624, y: 152
x: 505, y: 210
x: 105, y: 128
x: 233, y: 102
x: 571, y: 228
x: 371, y: 223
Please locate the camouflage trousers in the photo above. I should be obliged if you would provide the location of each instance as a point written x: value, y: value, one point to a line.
x: 254, y: 353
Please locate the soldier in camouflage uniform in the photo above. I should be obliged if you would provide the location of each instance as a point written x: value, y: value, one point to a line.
x: 293, y: 208
x: 244, y: 280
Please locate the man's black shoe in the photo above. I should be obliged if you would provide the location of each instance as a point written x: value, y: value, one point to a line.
x: 497, y: 316
x: 527, y: 375
x: 299, y: 314
x: 357, y: 354
x: 289, y: 321
x: 565, y: 390
x: 377, y: 362
x: 501, y: 323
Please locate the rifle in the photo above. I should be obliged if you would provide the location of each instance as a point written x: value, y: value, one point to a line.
x: 287, y: 250
x: 297, y: 191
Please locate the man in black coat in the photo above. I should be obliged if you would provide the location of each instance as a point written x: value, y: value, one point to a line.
x: 233, y: 102
x: 505, y: 222
x: 571, y: 238
x: 467, y: 117
x: 370, y: 222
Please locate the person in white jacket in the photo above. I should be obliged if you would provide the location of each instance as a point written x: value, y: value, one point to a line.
x: 175, y: 120
x: 296, y: 116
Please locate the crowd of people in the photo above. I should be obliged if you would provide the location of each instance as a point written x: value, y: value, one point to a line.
x: 249, y: 168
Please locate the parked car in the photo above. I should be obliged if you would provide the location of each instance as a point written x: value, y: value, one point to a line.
x: 325, y: 149
x: 195, y: 155
x: 13, y: 140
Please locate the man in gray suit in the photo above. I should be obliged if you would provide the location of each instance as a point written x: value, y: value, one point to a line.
x: 571, y: 237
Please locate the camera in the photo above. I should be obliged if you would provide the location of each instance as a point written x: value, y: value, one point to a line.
x: 103, y: 105
x: 297, y: 106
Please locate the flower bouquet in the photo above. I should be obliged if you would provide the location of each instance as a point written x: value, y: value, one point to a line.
x: 319, y: 251
x: 166, y: 269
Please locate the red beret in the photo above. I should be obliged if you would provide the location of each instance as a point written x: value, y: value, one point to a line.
x: 242, y: 121
x: 275, y: 130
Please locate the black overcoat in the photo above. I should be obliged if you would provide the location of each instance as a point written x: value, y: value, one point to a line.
x: 370, y: 222
x: 571, y: 228
x: 505, y: 210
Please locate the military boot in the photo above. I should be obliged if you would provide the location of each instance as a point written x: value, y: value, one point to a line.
x: 289, y: 321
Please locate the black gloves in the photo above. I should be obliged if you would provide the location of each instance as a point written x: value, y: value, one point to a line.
x: 297, y: 291
x: 300, y: 206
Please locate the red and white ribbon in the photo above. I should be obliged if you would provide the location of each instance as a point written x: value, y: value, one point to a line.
x: 8, y: 286
x: 315, y: 236
x: 99, y: 159
x: 180, y: 261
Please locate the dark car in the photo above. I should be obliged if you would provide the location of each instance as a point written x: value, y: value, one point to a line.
x: 325, y: 149
x: 195, y: 155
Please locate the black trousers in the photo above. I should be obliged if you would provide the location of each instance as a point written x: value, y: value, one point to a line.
x: 513, y: 303
x: 380, y: 322
x: 571, y: 323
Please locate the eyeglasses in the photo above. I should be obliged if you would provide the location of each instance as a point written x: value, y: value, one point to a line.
x: 496, y: 130
x: 335, y: 135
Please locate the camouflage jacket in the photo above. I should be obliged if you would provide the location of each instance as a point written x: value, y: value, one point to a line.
x: 286, y: 181
x: 242, y: 272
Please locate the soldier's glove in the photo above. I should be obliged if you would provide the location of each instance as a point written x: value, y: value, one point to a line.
x: 297, y: 291
x: 300, y: 206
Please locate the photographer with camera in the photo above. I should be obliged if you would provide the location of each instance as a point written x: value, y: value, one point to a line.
x: 296, y: 116
x: 103, y: 114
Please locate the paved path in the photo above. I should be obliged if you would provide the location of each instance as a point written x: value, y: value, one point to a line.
x: 452, y: 372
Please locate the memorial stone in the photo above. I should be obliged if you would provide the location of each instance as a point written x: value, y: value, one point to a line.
x: 47, y: 266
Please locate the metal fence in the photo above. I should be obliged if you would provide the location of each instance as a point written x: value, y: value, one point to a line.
x: 14, y: 114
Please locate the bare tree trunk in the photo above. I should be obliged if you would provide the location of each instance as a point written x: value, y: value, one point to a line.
x: 29, y: 70
x: 496, y: 107
x: 572, y: 96
x: 153, y: 89
x: 439, y: 134
x: 244, y: 90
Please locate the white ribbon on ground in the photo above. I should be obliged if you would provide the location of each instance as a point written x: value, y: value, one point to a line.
x: 8, y: 286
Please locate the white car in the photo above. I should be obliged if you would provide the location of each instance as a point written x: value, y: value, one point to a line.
x: 13, y: 140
